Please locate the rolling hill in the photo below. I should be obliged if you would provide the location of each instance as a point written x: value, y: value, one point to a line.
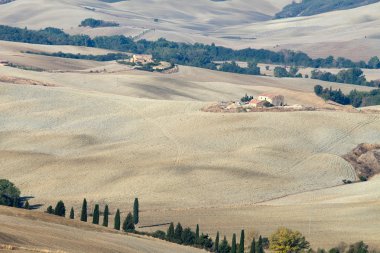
x: 89, y: 134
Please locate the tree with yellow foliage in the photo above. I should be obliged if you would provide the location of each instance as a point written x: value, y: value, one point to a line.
x: 285, y: 240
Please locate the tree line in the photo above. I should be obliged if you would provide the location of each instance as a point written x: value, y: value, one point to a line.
x: 349, y: 76
x: 197, y: 55
x: 355, y: 98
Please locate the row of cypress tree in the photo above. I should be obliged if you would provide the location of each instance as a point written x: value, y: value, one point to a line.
x: 186, y: 237
x: 176, y: 234
x: 128, y: 224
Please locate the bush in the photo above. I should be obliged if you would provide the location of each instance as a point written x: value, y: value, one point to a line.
x: 159, y: 234
x: 9, y: 193
x: 128, y: 225
x: 60, y: 209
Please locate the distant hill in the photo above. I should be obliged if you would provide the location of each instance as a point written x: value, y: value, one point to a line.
x: 313, y: 7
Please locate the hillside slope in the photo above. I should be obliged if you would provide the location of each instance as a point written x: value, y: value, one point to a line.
x: 26, y: 231
x: 312, y: 7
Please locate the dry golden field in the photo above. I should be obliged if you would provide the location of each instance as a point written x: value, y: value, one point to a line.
x: 121, y: 133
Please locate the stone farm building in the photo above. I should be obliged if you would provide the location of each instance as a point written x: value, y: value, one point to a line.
x: 142, y: 58
x: 274, y: 99
x: 256, y: 103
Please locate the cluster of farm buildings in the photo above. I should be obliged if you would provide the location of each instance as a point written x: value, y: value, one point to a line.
x: 261, y: 101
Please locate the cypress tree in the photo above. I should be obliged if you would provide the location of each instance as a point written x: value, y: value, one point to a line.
x: 216, y: 247
x: 253, y: 246
x: 178, y: 233
x: 95, y: 215
x: 83, y: 216
x: 117, y: 220
x: 233, y: 244
x: 128, y: 225
x: 26, y: 206
x: 72, y: 213
x: 197, y: 232
x: 224, y: 247
x: 136, y: 211
x: 170, y: 232
x: 60, y: 209
x: 241, y: 245
x: 50, y: 210
x: 260, y: 247
x: 105, y: 218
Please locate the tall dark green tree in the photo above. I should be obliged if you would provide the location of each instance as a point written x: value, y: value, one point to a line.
x: 197, y: 232
x: 117, y: 220
x: 72, y: 213
x: 95, y: 215
x: 136, y: 211
x: 27, y: 206
x: 233, y: 243
x: 178, y: 233
x: 224, y: 247
x: 105, y: 217
x: 188, y: 237
x: 241, y: 245
x: 253, y: 246
x: 60, y: 209
x: 83, y: 215
x: 170, y: 232
x: 216, y: 245
x: 260, y: 246
x: 128, y: 225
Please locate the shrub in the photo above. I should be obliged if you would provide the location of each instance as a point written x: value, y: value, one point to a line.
x: 60, y: 209
x: 159, y: 234
x: 8, y: 192
x: 128, y: 225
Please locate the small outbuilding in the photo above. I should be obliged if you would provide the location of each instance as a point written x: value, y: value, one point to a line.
x: 274, y: 99
x: 142, y: 58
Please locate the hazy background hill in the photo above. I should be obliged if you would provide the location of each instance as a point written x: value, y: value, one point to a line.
x: 312, y: 7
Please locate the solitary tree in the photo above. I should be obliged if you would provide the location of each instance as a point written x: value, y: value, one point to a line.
x: 216, y: 246
x: 72, y: 213
x: 285, y: 240
x: 178, y: 233
x: 128, y: 225
x: 233, y: 244
x: 60, y: 209
x: 170, y: 233
x: 26, y: 206
x: 117, y: 220
x: 253, y: 246
x: 105, y: 218
x: 95, y: 216
x: 136, y: 211
x: 197, y: 232
x: 83, y: 216
x: 241, y: 245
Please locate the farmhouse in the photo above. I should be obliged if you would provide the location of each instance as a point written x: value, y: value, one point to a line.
x: 142, y: 58
x: 256, y: 103
x: 274, y: 99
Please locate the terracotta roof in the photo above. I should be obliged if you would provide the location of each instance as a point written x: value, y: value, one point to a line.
x: 255, y: 101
